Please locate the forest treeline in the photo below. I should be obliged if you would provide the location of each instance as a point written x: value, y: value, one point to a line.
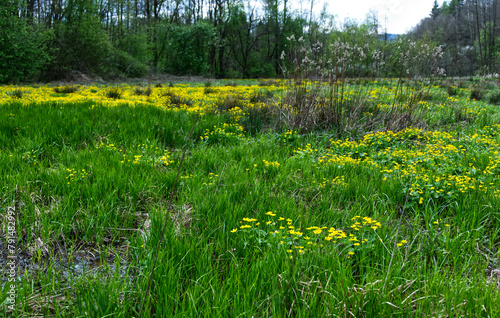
x: 48, y: 39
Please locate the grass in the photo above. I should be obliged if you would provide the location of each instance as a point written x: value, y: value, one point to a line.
x: 265, y: 221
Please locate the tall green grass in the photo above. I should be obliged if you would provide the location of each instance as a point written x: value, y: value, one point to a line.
x: 87, y: 179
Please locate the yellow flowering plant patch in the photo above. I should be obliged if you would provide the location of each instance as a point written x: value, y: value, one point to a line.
x: 277, y: 233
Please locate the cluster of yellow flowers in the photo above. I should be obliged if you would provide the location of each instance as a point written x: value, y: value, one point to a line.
x: 280, y: 231
x: 228, y: 132
x: 191, y: 98
x: 211, y: 177
x: 273, y: 164
x: 75, y: 175
x: 149, y: 154
x: 338, y: 182
x: 434, y: 163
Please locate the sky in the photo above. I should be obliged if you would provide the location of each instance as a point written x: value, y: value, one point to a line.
x: 401, y: 15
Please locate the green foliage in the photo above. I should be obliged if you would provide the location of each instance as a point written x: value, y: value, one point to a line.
x: 282, y: 223
x: 22, y: 50
x: 186, y: 47
x: 452, y: 90
x: 175, y: 99
x: 114, y: 92
x: 229, y: 102
x: 142, y: 91
x: 17, y: 93
x: 123, y: 64
x: 494, y: 97
x: 135, y: 45
x: 256, y: 119
x: 79, y: 44
x: 67, y: 89
x: 476, y: 93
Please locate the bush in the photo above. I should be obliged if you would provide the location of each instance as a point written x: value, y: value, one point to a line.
x: 208, y: 88
x: 187, y: 48
x: 126, y: 65
x: 23, y: 53
x: 229, y: 102
x: 176, y: 99
x: 476, y: 94
x: 452, y: 90
x: 269, y: 82
x: 231, y: 83
x: 114, y: 92
x: 262, y: 96
x: 82, y: 45
x: 17, y: 93
x: 494, y: 97
x: 142, y: 91
x: 257, y: 118
x: 67, y: 89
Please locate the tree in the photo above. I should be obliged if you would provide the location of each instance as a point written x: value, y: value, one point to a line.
x: 22, y: 53
x: 435, y: 10
x: 243, y: 35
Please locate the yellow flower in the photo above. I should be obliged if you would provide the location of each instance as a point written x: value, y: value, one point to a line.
x: 249, y: 220
x: 234, y: 230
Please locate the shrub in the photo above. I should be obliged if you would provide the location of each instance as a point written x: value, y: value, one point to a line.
x: 452, y: 90
x: 229, y: 102
x: 66, y: 89
x: 208, y: 88
x: 126, y: 64
x: 114, y: 92
x: 231, y: 83
x: 257, y: 118
x: 176, y: 99
x: 476, y: 94
x: 494, y: 97
x: 269, y: 82
x: 141, y: 91
x: 17, y: 93
x: 261, y: 96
